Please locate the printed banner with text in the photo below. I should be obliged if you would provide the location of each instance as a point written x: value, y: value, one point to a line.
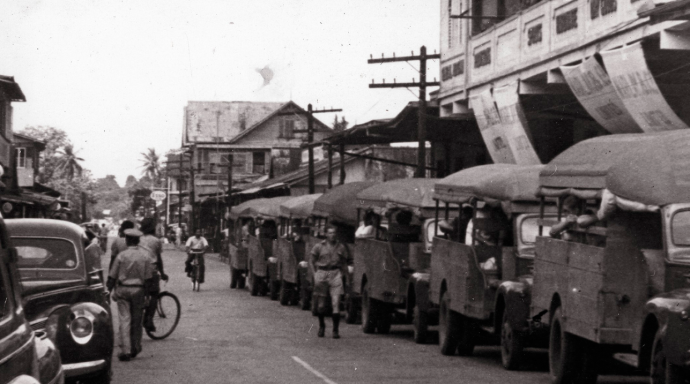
x: 491, y: 128
x: 638, y: 90
x: 514, y: 124
x: 593, y: 89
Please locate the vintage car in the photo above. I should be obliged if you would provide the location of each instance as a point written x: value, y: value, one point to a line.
x: 26, y: 357
x: 616, y: 280
x: 480, y: 275
x: 391, y: 271
x: 336, y: 207
x: 64, y: 294
x: 291, y: 251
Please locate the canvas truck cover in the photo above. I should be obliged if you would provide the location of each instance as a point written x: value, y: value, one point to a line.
x: 650, y: 168
x: 491, y: 183
x: 340, y: 203
x: 413, y: 194
x: 299, y: 207
x: 268, y: 208
x: 244, y: 209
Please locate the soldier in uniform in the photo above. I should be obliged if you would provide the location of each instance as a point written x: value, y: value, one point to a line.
x: 329, y: 262
x: 131, y: 278
x: 119, y: 244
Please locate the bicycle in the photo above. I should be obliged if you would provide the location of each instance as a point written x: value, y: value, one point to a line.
x: 166, y: 317
x: 196, y: 269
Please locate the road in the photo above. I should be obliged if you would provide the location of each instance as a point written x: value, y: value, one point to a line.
x: 226, y: 335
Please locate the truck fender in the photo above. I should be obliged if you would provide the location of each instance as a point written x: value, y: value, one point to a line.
x: 672, y: 311
x: 515, y: 298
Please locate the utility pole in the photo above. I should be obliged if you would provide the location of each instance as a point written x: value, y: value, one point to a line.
x: 179, y: 193
x: 192, y: 224
x: 83, y: 207
x: 422, y: 84
x: 310, y: 138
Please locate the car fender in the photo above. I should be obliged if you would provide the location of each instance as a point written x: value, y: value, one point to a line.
x: 48, y: 356
x: 672, y: 311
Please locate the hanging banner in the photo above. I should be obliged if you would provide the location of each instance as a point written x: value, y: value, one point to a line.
x: 491, y: 128
x: 638, y: 90
x: 593, y: 89
x: 514, y: 124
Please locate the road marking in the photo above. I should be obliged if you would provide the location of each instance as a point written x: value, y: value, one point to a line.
x: 314, y: 371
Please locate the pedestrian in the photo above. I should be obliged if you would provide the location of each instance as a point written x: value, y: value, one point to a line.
x: 119, y: 244
x: 131, y: 278
x: 196, y: 243
x: 178, y: 235
x: 153, y: 245
x: 329, y: 262
x: 103, y: 238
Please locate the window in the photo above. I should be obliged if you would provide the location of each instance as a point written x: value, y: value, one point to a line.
x: 258, y: 162
x: 21, y: 157
x: 45, y: 253
x: 219, y: 163
x: 681, y: 228
x: 529, y: 230
x: 287, y: 129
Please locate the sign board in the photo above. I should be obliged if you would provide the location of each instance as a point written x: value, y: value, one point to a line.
x: 158, y: 195
x: 514, y: 124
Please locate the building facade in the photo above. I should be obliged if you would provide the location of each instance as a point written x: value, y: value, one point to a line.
x: 539, y: 76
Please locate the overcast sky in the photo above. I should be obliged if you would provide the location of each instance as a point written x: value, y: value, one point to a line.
x: 115, y: 75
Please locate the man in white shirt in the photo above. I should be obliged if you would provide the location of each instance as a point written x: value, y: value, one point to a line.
x: 196, y: 243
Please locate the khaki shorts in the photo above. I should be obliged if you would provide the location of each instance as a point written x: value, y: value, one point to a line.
x: 335, y: 282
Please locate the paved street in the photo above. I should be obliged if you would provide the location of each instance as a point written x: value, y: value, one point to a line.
x: 228, y: 336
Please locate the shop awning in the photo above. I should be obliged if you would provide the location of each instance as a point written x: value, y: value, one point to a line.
x: 674, y: 10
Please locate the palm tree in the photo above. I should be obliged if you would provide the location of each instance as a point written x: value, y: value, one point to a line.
x: 152, y: 166
x: 68, y: 162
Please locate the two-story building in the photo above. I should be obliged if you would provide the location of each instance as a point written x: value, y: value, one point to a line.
x: 260, y: 139
x: 539, y: 76
x: 20, y: 195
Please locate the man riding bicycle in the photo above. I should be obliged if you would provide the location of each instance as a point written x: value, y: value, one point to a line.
x: 196, y: 244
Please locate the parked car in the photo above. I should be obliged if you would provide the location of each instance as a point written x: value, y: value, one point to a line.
x: 64, y: 294
x: 26, y: 357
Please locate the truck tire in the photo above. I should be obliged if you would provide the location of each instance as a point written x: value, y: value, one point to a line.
x: 254, y: 284
x: 467, y: 336
x: 285, y: 293
x: 369, y: 311
x: 241, y: 280
x: 233, y: 278
x: 383, y: 317
x: 420, y: 322
x: 661, y: 370
x: 512, y: 344
x: 448, y: 327
x: 569, y: 360
x: 274, y: 288
x: 304, y: 297
x: 351, y: 310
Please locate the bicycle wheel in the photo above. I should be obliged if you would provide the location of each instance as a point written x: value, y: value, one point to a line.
x: 166, y: 317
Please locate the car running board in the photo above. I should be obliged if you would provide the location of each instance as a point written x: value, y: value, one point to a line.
x: 627, y: 358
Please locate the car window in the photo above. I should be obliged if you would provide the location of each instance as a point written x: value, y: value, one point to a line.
x: 680, y: 228
x: 45, y: 253
x: 529, y: 230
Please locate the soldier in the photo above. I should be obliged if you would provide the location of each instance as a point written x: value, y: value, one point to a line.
x: 119, y: 244
x: 329, y: 262
x: 131, y: 278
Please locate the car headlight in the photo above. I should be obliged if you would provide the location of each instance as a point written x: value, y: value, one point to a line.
x: 81, y: 326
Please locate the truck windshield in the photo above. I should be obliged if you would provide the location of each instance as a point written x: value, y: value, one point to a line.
x: 529, y: 230
x: 45, y: 253
x: 680, y: 228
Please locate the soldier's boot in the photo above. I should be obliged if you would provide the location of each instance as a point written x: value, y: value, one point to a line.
x: 336, y: 323
x: 322, y: 326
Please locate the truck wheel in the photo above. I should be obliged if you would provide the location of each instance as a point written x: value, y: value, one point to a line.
x: 253, y: 284
x: 351, y: 311
x: 466, y: 339
x: 241, y: 280
x: 274, y: 288
x: 304, y: 298
x: 661, y: 370
x: 383, y: 317
x: 284, y: 293
x: 369, y: 315
x: 569, y: 362
x: 420, y: 321
x: 511, y: 345
x: 233, y: 278
x: 448, y: 327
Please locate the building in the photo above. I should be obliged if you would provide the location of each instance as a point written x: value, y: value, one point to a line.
x: 261, y: 139
x: 538, y: 76
x: 20, y: 195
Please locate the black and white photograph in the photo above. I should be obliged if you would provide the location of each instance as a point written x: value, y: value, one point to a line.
x: 345, y: 191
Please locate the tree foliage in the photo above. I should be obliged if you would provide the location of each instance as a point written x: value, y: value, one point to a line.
x: 341, y: 125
